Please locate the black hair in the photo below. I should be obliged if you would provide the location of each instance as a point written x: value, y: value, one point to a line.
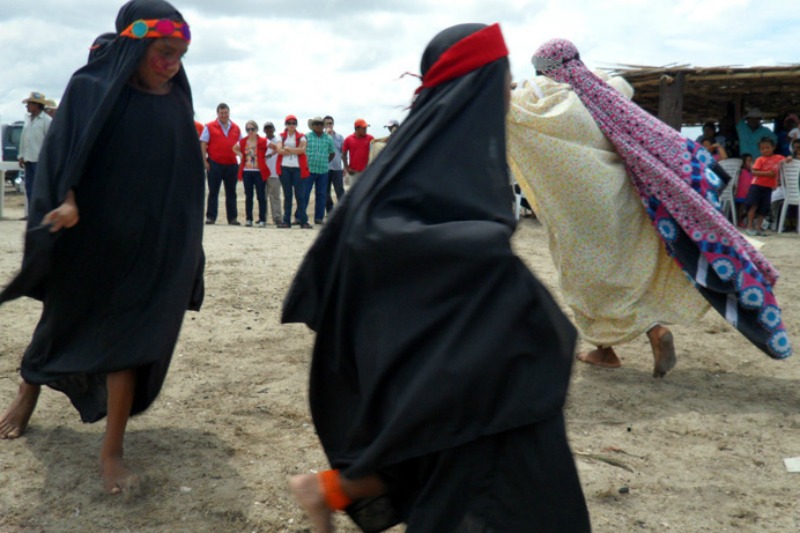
x: 327, y: 117
x: 767, y: 140
x: 223, y: 105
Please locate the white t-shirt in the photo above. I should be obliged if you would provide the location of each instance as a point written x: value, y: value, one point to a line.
x: 290, y: 160
x: 272, y: 157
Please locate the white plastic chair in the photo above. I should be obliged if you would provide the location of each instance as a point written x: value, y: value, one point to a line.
x: 732, y: 166
x: 518, y: 196
x: 790, y: 179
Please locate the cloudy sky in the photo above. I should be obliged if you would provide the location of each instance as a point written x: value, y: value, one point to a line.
x: 269, y: 58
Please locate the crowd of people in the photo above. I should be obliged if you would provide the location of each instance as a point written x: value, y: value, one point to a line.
x: 114, y: 251
x: 291, y: 164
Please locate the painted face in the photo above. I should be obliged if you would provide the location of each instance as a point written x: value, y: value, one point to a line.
x: 161, y: 62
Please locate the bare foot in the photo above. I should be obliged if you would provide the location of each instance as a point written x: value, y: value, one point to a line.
x: 663, y: 350
x: 15, y: 420
x: 308, y: 493
x: 602, y: 357
x: 118, y: 478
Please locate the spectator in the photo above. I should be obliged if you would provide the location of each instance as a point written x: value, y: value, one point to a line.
x: 216, y: 143
x: 791, y: 125
x: 274, y: 181
x: 765, y: 180
x: 715, y: 149
x: 710, y: 132
x: 292, y: 166
x: 355, y: 151
x: 33, y: 133
x: 320, y: 152
x: 253, y: 172
x: 335, y: 173
x: 51, y: 108
x: 750, y: 132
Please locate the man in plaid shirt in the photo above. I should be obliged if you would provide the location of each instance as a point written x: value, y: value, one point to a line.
x: 320, y: 151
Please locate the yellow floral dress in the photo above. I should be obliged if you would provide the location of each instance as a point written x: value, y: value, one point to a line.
x: 613, y: 268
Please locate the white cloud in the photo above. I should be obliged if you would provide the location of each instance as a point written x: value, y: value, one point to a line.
x: 268, y: 58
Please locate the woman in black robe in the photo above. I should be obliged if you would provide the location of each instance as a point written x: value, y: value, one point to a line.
x: 114, y: 241
x: 441, y: 365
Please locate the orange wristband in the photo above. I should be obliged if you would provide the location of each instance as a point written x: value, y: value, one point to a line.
x: 331, y: 484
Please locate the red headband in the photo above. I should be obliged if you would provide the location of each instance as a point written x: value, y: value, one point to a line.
x: 468, y: 54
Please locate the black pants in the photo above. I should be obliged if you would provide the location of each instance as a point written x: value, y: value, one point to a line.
x: 335, y: 180
x: 251, y: 179
x: 218, y: 175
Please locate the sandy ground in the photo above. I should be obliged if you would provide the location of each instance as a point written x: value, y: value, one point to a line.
x: 701, y: 450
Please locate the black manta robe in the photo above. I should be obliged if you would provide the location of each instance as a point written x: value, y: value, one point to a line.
x: 115, y: 286
x: 440, y: 362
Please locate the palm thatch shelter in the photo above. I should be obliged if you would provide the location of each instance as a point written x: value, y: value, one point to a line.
x: 682, y: 95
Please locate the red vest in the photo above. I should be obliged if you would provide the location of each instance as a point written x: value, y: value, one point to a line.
x: 220, y: 146
x: 302, y: 159
x: 261, y: 157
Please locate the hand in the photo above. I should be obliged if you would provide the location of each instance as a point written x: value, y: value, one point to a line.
x: 64, y: 216
x: 21, y: 161
x: 206, y: 164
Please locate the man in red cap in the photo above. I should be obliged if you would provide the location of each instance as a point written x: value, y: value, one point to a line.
x: 355, y: 151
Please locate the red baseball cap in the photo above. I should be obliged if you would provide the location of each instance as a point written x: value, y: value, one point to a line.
x: 288, y: 118
x: 361, y: 123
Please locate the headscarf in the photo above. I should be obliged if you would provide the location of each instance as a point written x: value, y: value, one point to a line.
x: 88, y: 100
x: 417, y: 299
x: 678, y: 182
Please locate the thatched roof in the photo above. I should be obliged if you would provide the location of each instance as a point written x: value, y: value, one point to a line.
x: 708, y: 90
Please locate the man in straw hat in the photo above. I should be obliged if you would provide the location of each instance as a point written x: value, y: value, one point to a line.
x: 33, y: 132
x: 751, y: 131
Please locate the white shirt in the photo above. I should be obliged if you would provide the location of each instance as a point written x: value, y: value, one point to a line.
x: 33, y: 133
x: 290, y: 160
x: 272, y: 157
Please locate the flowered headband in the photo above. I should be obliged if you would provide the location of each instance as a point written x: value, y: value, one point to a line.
x: 158, y: 28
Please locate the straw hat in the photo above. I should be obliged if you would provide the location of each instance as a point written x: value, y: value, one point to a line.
x: 36, y: 98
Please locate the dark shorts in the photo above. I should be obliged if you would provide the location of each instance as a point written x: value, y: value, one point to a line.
x: 761, y: 197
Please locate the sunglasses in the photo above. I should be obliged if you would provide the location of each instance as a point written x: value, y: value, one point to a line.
x: 250, y: 129
x: 317, y: 124
x: 291, y: 123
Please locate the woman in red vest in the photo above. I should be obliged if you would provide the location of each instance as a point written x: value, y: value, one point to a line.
x: 292, y: 167
x: 253, y: 172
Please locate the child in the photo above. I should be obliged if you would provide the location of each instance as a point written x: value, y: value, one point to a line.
x: 114, y: 241
x: 742, y: 188
x: 765, y: 180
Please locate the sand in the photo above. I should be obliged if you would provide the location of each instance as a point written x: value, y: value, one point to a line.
x: 701, y: 450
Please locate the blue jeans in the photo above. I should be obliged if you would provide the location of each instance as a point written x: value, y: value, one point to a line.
x: 217, y: 175
x: 252, y: 180
x: 335, y: 179
x: 320, y: 183
x: 292, y: 183
x: 30, y: 175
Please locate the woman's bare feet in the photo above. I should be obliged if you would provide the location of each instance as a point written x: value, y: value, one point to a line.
x: 663, y: 346
x: 602, y: 357
x: 117, y: 477
x: 15, y: 419
x: 308, y: 493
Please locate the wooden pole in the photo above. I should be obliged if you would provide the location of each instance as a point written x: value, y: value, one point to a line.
x: 670, y: 100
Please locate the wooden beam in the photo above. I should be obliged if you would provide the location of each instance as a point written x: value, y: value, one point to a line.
x: 670, y: 100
